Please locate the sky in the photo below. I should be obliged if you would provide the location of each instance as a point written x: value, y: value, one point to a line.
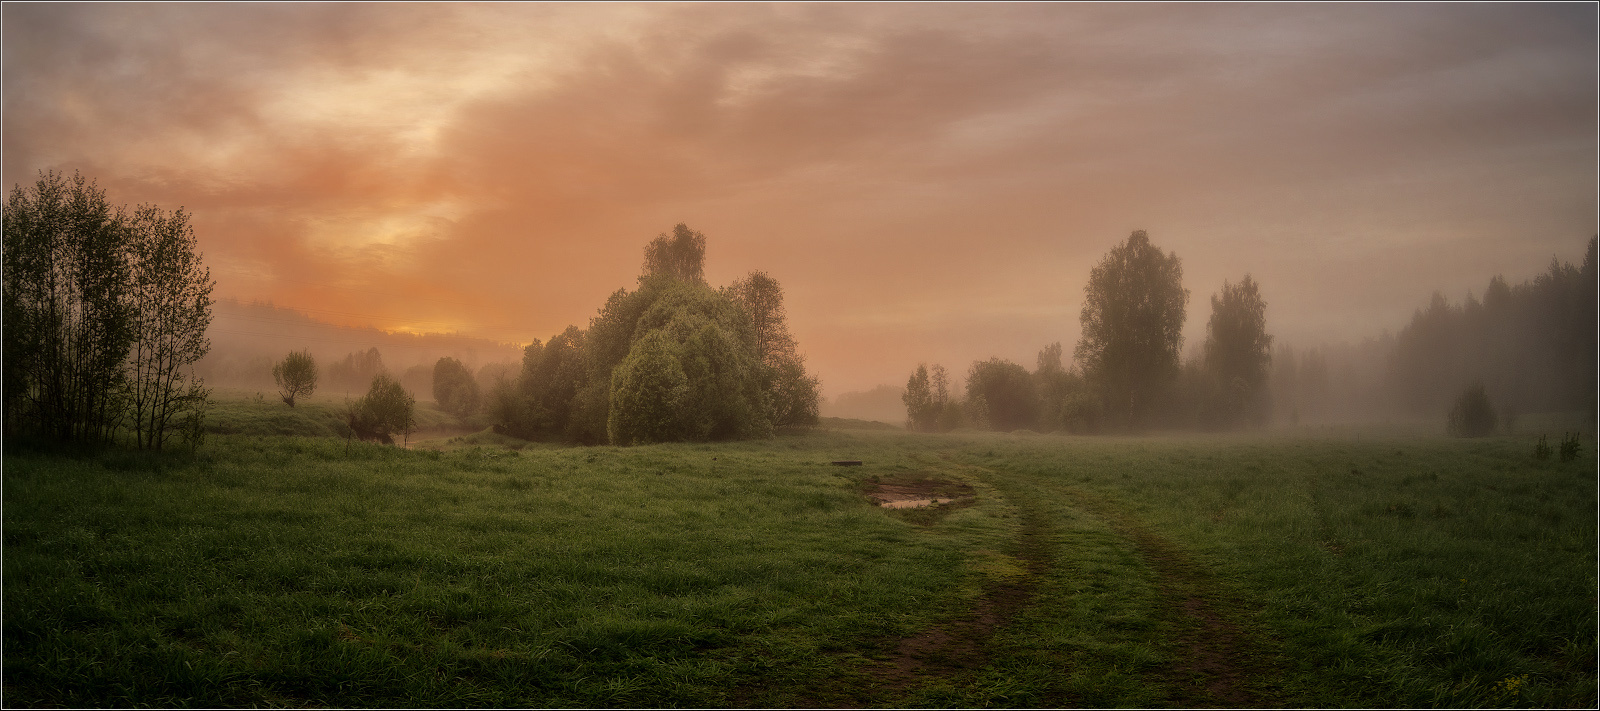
x: 929, y: 183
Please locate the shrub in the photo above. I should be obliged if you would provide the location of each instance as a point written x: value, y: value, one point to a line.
x: 1570, y: 447
x: 386, y: 410
x: 1473, y: 414
x: 1541, y: 451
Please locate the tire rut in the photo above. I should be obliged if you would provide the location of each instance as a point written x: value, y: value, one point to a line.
x: 957, y: 646
x: 1222, y: 664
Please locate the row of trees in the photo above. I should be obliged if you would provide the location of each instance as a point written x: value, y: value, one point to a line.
x: 1127, y: 374
x: 671, y: 360
x: 1531, y: 346
x: 106, y: 311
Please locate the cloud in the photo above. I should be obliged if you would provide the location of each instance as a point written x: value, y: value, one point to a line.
x: 953, y: 169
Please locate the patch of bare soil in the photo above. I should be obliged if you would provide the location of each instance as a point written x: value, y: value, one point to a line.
x: 1222, y: 665
x: 916, y: 492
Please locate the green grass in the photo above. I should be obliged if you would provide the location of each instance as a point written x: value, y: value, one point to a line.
x: 290, y: 570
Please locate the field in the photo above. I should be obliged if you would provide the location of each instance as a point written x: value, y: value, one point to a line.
x: 1319, y: 568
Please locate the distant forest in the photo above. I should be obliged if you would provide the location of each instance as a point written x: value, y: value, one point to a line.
x: 1531, y: 346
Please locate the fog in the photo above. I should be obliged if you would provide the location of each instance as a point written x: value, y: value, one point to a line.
x: 247, y: 339
x: 929, y: 183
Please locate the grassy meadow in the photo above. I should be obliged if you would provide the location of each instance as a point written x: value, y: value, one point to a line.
x: 281, y: 565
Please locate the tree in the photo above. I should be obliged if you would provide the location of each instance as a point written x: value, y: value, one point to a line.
x: 454, y: 387
x: 1008, y: 392
x: 295, y: 375
x: 1238, y: 350
x: 681, y: 255
x: 920, y: 414
x: 171, y: 298
x: 792, y: 393
x: 69, y: 321
x: 386, y: 410
x: 1132, y: 319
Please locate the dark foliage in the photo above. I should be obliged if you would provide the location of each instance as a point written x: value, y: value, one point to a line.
x: 1472, y: 415
x: 1010, y: 399
x: 105, y: 315
x: 1570, y: 447
x: 454, y: 388
x: 1532, y: 345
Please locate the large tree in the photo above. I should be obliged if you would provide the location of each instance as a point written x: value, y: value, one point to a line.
x: 1132, y: 320
x: 1238, y: 350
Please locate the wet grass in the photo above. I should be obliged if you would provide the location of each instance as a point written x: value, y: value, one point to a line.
x: 286, y: 570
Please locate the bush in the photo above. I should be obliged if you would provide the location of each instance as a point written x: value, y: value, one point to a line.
x: 1473, y: 414
x: 1570, y: 447
x: 386, y: 410
x: 1541, y: 451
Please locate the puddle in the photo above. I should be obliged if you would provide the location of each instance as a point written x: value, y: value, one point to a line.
x: 907, y: 503
x: 917, y: 493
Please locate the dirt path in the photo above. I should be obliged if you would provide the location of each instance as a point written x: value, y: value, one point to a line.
x: 1222, y: 665
x: 957, y: 646
x: 1218, y: 663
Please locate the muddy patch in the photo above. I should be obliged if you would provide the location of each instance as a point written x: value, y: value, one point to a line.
x: 915, y: 492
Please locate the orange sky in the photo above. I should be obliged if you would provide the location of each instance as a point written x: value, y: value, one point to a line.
x: 928, y: 182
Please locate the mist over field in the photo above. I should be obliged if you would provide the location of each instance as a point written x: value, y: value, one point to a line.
x: 800, y: 355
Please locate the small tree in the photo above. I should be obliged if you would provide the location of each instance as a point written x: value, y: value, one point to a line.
x: 295, y: 375
x: 1238, y: 350
x: 386, y: 410
x: 1473, y: 414
x: 920, y: 413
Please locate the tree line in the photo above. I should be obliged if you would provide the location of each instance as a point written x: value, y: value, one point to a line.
x: 672, y: 360
x: 1527, y: 347
x: 1126, y: 372
x: 106, y: 311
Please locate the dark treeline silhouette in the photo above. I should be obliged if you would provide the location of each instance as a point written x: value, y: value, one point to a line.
x: 1531, y: 346
x: 106, y: 313
x: 673, y: 360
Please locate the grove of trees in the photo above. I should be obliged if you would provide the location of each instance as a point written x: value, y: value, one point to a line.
x: 105, y: 314
x: 672, y: 360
